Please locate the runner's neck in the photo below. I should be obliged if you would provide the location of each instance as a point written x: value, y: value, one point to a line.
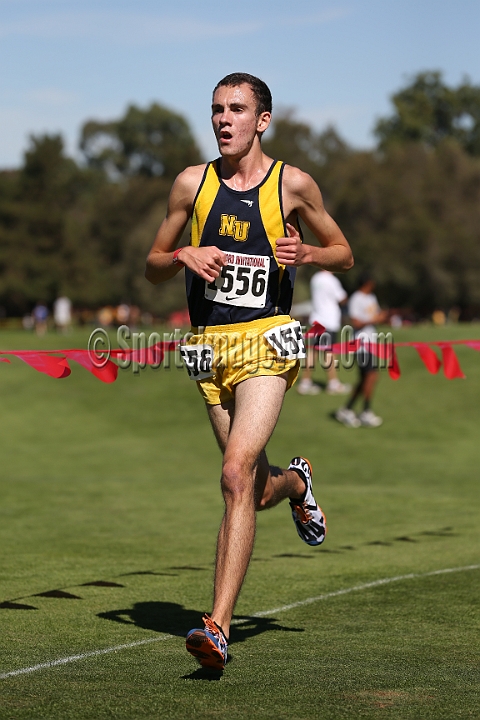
x: 245, y: 174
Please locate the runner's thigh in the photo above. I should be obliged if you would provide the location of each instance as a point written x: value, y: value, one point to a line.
x: 221, y: 417
x: 258, y: 402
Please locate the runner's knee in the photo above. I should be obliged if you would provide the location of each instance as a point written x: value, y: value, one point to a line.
x: 237, y: 480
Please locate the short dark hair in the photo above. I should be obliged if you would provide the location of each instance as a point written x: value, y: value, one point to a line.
x: 260, y: 90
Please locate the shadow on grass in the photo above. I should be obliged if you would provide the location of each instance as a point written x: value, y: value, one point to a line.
x: 174, y: 619
x: 206, y: 674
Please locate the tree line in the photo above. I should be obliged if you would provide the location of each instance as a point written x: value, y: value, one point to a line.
x: 410, y: 206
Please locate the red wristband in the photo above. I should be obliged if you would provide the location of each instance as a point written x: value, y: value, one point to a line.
x: 176, y: 261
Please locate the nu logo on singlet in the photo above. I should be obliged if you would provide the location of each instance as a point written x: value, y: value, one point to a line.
x: 238, y: 229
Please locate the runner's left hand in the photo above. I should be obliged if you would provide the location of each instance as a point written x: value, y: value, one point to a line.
x: 290, y: 250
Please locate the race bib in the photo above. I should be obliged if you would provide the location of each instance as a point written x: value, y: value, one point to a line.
x: 287, y: 340
x: 198, y: 360
x: 243, y: 281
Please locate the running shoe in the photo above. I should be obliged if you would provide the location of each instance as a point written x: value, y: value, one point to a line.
x: 347, y: 417
x: 209, y: 645
x: 307, y: 387
x: 369, y: 419
x: 307, y: 515
x: 335, y: 387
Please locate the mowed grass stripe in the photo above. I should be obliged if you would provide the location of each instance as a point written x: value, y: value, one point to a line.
x: 263, y: 613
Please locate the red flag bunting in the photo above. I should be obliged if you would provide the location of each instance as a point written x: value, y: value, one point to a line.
x: 316, y: 329
x: 107, y: 372
x: 451, y: 366
x: 56, y: 367
x: 429, y: 357
x: 54, y: 363
x: 393, y: 366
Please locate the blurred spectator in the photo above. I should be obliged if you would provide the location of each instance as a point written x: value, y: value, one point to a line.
x: 327, y: 296
x: 62, y: 314
x: 438, y: 317
x: 86, y: 317
x: 396, y: 320
x: 28, y: 322
x: 364, y: 312
x: 106, y: 316
x: 123, y: 314
x: 454, y: 314
x: 40, y: 315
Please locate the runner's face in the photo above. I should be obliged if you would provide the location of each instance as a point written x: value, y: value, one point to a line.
x: 234, y: 120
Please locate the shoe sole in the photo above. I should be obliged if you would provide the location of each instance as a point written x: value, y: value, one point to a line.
x: 296, y: 468
x: 318, y: 506
x: 309, y: 467
x: 206, y: 652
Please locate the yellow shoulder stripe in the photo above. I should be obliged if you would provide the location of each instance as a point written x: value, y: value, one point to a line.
x: 203, y: 204
x: 271, y: 211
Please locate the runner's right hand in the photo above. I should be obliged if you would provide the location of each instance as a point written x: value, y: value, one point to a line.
x: 206, y: 262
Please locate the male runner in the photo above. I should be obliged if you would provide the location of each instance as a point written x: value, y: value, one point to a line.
x: 240, y: 269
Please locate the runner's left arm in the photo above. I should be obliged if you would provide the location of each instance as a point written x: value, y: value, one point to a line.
x: 302, y: 197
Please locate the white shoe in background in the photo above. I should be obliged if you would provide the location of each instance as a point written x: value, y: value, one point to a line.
x: 335, y: 387
x: 369, y: 419
x: 307, y: 387
x: 347, y: 417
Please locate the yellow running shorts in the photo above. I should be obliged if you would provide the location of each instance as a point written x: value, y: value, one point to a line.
x: 225, y: 355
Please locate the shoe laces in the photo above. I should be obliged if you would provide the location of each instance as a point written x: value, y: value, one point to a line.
x: 213, y: 628
x: 303, y: 513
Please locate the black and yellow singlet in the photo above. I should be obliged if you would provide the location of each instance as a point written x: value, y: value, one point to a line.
x: 245, y: 225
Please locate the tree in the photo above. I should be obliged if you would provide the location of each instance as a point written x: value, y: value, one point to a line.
x: 155, y: 142
x: 296, y: 143
x: 48, y: 176
x: 413, y: 218
x: 44, y: 249
x: 410, y: 208
x: 428, y: 111
x: 411, y: 212
x: 67, y: 229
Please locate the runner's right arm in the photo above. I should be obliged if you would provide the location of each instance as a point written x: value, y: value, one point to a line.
x: 207, y: 262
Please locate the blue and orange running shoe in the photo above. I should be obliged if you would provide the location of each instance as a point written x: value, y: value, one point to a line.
x: 307, y: 514
x: 209, y: 645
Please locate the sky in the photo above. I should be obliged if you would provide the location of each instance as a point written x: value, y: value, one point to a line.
x: 338, y: 62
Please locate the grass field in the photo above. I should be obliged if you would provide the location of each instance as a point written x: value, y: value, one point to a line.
x: 108, y: 519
